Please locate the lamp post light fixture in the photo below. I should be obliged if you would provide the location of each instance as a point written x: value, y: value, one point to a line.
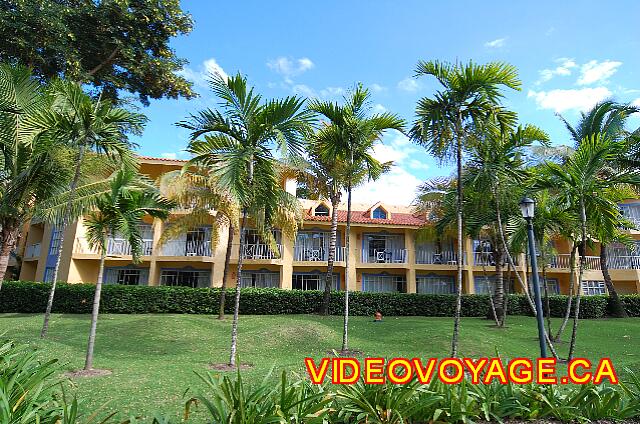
x: 527, y: 207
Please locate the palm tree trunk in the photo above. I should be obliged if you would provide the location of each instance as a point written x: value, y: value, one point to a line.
x: 583, y: 264
x: 236, y: 306
x: 572, y: 282
x: 499, y: 295
x: 331, y: 256
x: 345, y: 330
x: 72, y: 194
x: 616, y: 307
x: 225, y: 273
x: 9, y: 237
x: 492, y: 305
x: 547, y: 305
x: 458, y: 310
x: 88, y: 364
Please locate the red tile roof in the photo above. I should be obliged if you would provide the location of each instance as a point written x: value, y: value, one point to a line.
x: 362, y: 217
x: 161, y: 159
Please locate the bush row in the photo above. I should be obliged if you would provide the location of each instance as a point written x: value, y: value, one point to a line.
x: 28, y: 297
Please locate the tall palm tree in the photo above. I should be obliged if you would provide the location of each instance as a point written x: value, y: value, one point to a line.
x: 348, y: 136
x: 200, y: 195
x: 34, y: 165
x: 120, y: 212
x: 470, y: 94
x: 608, y: 119
x: 87, y: 125
x: 588, y: 186
x: 235, y: 144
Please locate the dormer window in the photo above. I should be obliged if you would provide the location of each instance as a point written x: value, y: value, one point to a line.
x: 321, y: 210
x: 379, y: 213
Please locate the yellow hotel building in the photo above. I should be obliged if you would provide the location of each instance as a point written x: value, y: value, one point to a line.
x: 384, y: 256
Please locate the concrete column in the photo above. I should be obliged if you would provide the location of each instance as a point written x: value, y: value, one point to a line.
x: 468, y: 284
x: 410, y: 246
x: 411, y: 280
x: 286, y: 270
x: 219, y: 256
x: 354, y: 258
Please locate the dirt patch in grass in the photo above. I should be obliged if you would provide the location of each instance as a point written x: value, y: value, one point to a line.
x: 87, y: 373
x: 226, y: 367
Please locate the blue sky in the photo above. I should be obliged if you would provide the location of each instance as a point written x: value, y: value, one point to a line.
x: 569, y: 56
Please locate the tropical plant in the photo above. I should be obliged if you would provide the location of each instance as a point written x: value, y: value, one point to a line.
x: 120, y: 212
x: 348, y: 136
x: 470, y: 94
x: 34, y: 165
x: 86, y: 125
x: 591, y: 189
x: 200, y: 195
x: 234, y: 143
x: 608, y: 119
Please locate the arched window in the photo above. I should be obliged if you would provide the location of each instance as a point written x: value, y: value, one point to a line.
x: 321, y: 210
x: 379, y: 213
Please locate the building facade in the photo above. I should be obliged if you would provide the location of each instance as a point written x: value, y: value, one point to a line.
x: 383, y: 256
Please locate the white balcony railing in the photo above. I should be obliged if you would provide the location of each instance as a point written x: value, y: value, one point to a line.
x: 115, y: 247
x: 186, y: 248
x: 261, y: 251
x: 387, y: 256
x: 563, y: 261
x: 487, y: 259
x: 32, y: 251
x: 301, y: 254
x: 623, y: 262
x: 441, y: 258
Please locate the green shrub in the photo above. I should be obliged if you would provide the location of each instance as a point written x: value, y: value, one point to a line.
x: 29, y: 297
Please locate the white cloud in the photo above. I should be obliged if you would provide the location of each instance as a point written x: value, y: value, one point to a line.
x: 169, y: 155
x: 418, y: 165
x: 378, y: 108
x: 563, y: 100
x: 563, y: 69
x: 376, y: 88
x: 204, y: 72
x: 304, y: 90
x: 636, y: 102
x: 409, y: 84
x: 497, y: 43
x: 597, y: 72
x: 396, y: 187
x: 290, y: 67
x: 332, y: 92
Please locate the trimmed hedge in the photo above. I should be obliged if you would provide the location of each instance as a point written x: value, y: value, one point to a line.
x: 30, y: 297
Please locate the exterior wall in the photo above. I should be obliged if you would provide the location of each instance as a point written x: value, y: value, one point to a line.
x: 79, y: 264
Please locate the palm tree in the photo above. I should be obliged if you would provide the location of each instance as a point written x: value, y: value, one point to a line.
x: 348, y: 135
x: 120, y: 212
x: 34, y: 164
x: 198, y: 192
x: 470, y: 94
x: 608, y: 119
x: 87, y: 125
x: 587, y: 185
x: 235, y: 143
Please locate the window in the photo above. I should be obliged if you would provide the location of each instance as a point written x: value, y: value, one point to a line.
x: 435, y: 284
x: 481, y: 287
x: 590, y: 288
x: 313, y: 281
x: 56, y: 235
x: 382, y: 283
x: 48, y: 274
x: 313, y: 246
x: 552, y: 286
x: 128, y: 276
x: 321, y: 210
x: 260, y: 279
x: 199, y: 242
x: 383, y: 248
x: 185, y: 278
x: 379, y: 213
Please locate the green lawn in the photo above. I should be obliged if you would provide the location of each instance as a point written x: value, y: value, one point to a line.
x: 153, y: 357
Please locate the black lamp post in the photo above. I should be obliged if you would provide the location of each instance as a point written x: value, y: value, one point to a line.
x: 527, y: 206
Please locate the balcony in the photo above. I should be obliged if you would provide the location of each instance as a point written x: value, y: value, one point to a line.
x: 487, y: 259
x: 301, y: 254
x: 563, y: 261
x: 32, y: 251
x: 186, y: 248
x: 261, y: 251
x: 624, y: 262
x: 387, y: 256
x: 440, y: 258
x: 115, y: 247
